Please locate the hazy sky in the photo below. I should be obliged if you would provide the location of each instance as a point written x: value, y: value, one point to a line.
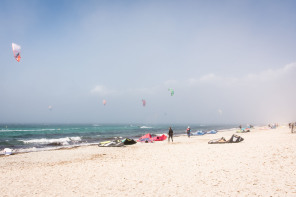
x: 231, y: 61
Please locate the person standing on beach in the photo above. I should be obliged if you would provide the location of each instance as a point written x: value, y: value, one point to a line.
x: 171, y: 133
x: 188, y: 131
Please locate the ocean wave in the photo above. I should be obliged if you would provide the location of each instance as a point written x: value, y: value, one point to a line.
x: 34, y: 149
x: 145, y: 127
x: 60, y: 141
x: 48, y: 130
x: 12, y: 130
x: 4, y: 131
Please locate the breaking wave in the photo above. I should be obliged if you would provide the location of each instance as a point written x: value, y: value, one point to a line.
x: 145, y: 127
x: 55, y: 142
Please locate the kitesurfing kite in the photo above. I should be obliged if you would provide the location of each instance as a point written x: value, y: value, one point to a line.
x: 50, y: 107
x: 172, y: 91
x: 104, y: 102
x: 16, y: 51
x: 220, y: 111
x: 144, y: 102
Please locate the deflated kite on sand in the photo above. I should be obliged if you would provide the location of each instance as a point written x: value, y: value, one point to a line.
x: 234, y: 139
x: 160, y: 138
x: 146, y: 138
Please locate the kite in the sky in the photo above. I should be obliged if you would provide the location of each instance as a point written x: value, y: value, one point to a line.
x: 104, y: 102
x: 50, y: 107
x: 16, y: 51
x: 220, y: 111
x: 144, y: 102
x: 172, y: 91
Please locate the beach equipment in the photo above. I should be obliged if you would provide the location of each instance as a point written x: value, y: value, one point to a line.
x: 128, y: 141
x: 114, y: 143
x: 16, y: 49
x: 146, y: 138
x: 204, y: 132
x: 234, y: 139
x: 243, y: 130
x: 7, y: 151
x: 198, y: 133
x: 160, y: 138
x: 211, y: 132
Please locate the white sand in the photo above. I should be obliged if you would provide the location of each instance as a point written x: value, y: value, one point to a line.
x: 264, y: 164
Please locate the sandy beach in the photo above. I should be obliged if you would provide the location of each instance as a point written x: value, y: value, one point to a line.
x: 264, y: 164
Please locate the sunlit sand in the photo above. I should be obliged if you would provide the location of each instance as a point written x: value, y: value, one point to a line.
x: 261, y: 165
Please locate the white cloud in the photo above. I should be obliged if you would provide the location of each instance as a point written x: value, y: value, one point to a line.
x: 192, y: 81
x: 101, y: 90
x: 144, y: 91
x: 290, y: 67
x: 220, y: 111
x: 264, y: 76
x: 272, y: 74
x: 170, y: 83
x: 208, y: 78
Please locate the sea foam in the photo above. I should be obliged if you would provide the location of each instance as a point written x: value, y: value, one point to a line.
x: 145, y: 127
x: 59, y: 141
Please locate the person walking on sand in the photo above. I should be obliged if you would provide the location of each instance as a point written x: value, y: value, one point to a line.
x: 171, y: 133
x: 188, y: 131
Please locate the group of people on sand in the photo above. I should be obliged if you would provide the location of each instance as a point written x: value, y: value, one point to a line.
x: 249, y: 126
x: 273, y: 126
x: 171, y: 133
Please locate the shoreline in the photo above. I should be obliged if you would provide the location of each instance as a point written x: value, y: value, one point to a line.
x: 68, y: 147
x: 48, y: 147
x: 40, y: 136
x: 261, y: 165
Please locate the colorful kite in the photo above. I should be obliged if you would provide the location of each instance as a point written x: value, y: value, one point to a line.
x: 172, y: 91
x: 144, y: 102
x: 50, y: 107
x: 16, y: 51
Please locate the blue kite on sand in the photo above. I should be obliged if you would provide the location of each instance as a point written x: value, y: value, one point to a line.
x: 198, y: 133
x: 204, y: 132
x: 212, y: 132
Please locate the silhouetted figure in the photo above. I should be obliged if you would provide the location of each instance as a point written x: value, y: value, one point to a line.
x: 171, y: 133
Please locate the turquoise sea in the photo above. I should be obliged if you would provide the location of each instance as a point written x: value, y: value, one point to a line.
x: 38, y: 137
